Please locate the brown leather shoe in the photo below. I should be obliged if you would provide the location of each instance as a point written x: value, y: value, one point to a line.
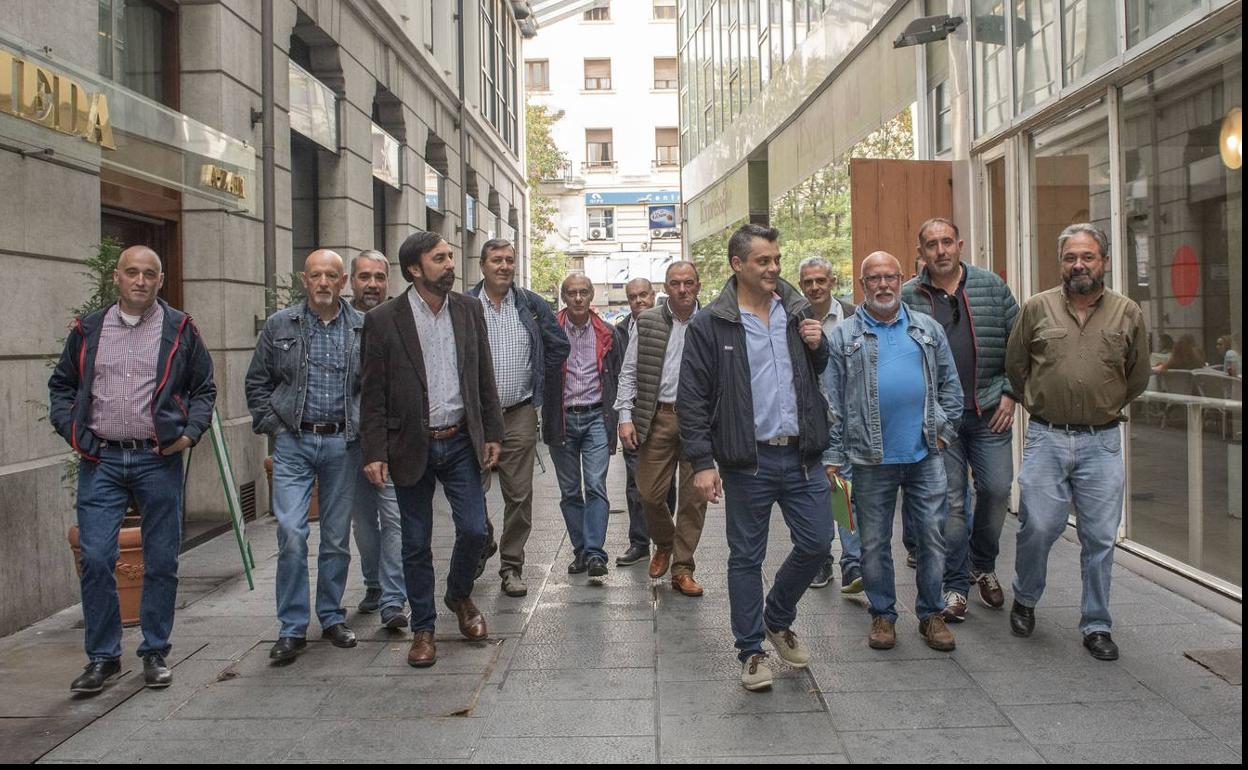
x: 883, y: 634
x: 424, y: 653
x: 659, y: 563
x: 471, y: 622
x: 936, y: 633
x: 685, y: 583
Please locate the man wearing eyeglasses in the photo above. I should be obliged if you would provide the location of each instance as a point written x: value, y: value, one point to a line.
x: 977, y: 311
x: 896, y: 402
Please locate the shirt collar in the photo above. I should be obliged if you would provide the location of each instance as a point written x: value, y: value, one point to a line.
x: 315, y: 319
x: 425, y: 305
x: 902, y: 318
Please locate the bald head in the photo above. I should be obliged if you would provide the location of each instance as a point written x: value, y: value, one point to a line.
x: 881, y: 284
x: 138, y: 278
x: 324, y: 276
x: 640, y: 295
x: 323, y: 258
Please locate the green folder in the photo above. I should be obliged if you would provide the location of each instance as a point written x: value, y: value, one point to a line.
x: 842, y: 507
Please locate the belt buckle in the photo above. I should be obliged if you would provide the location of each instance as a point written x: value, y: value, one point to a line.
x: 778, y: 441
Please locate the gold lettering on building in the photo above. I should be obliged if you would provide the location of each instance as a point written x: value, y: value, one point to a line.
x: 219, y: 179
x: 56, y: 101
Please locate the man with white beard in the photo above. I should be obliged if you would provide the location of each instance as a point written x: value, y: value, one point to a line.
x: 886, y: 355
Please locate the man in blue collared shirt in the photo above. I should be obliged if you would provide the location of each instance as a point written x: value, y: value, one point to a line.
x: 750, y: 401
x: 896, y: 401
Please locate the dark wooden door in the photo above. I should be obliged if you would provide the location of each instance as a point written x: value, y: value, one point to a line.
x: 130, y: 229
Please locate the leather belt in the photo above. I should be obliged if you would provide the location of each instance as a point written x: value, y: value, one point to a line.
x: 665, y: 407
x: 780, y: 441
x: 517, y: 405
x: 582, y: 408
x: 1069, y: 428
x: 443, y: 433
x: 323, y: 427
x: 129, y: 443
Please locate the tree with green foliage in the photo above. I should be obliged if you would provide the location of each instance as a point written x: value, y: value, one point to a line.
x: 547, y: 265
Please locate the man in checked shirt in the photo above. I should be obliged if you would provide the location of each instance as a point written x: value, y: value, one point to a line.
x: 132, y: 390
x: 524, y: 341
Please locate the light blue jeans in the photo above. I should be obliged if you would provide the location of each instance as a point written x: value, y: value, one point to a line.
x: 973, y: 538
x: 299, y: 460
x: 379, y: 539
x: 581, y: 465
x: 1059, y: 470
x: 924, y: 508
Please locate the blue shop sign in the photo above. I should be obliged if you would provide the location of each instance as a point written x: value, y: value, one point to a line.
x: 631, y: 197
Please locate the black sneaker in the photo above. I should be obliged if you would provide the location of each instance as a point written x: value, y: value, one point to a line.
x: 490, y: 549
x: 371, y: 601
x: 94, y: 675
x: 634, y: 554
x: 597, y: 568
x: 156, y: 675
x: 577, y: 566
x: 851, y: 581
x: 393, y: 617
x: 824, y: 575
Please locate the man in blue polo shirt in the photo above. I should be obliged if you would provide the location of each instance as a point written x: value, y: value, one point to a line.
x: 896, y: 401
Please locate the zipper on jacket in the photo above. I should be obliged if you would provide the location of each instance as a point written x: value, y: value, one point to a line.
x: 177, y: 343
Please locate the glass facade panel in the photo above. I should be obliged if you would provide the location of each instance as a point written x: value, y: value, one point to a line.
x: 1183, y: 205
x: 1145, y: 17
x: 992, y: 66
x: 1069, y: 184
x: 1089, y: 36
x: 137, y: 48
x: 1035, y: 43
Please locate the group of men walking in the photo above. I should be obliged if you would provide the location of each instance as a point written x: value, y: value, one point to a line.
x: 770, y: 394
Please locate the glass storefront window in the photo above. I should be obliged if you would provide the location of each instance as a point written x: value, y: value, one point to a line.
x: 1069, y: 184
x: 1035, y: 43
x: 1089, y: 36
x: 1146, y: 17
x: 1183, y: 207
x: 992, y: 66
x: 138, y: 48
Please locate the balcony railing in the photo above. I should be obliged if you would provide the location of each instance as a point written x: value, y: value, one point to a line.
x: 561, y: 174
x: 598, y: 165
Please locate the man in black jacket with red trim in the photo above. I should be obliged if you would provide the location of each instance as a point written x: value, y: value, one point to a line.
x: 132, y: 390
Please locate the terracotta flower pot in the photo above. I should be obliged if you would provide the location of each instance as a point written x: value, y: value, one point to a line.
x: 129, y: 569
x: 314, y: 509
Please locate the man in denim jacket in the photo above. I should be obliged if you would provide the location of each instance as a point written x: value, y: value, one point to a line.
x: 303, y: 388
x: 896, y: 402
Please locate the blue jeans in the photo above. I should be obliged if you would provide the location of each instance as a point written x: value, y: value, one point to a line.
x: 973, y: 540
x: 104, y: 491
x: 1059, y: 470
x: 453, y: 462
x: 299, y: 460
x: 805, y: 502
x: 379, y: 539
x: 581, y: 466
x: 925, y: 506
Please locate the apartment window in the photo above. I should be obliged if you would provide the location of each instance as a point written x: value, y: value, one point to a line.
x: 499, y: 46
x: 664, y: 9
x: 942, y: 118
x: 537, y: 75
x: 599, y: 224
x: 602, y: 13
x: 666, y: 147
x: 664, y: 74
x: 599, y: 148
x: 597, y: 74
x: 138, y: 48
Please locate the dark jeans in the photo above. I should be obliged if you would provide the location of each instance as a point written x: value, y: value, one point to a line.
x: 453, y: 462
x: 973, y: 539
x: 104, y: 490
x: 804, y: 498
x: 638, y: 537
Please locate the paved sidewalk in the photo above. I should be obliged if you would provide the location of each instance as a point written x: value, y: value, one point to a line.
x: 631, y: 673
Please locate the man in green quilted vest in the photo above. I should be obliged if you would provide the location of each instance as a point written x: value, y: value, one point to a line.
x: 646, y: 403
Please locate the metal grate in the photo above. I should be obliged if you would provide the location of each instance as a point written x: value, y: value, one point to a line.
x: 247, y: 496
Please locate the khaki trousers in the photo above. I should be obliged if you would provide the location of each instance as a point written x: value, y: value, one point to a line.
x: 657, y: 461
x: 515, y: 476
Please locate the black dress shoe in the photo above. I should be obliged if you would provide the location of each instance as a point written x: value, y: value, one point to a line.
x: 577, y: 566
x: 288, y: 648
x: 156, y: 675
x: 634, y: 554
x: 597, y: 567
x: 393, y: 617
x: 339, y: 635
x: 1101, y: 645
x: 95, y: 674
x: 491, y: 548
x: 1022, y: 619
x: 371, y: 601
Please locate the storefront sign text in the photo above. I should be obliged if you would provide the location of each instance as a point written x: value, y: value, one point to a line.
x: 48, y: 98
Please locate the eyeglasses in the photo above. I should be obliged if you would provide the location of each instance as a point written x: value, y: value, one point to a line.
x: 876, y: 280
x: 576, y: 293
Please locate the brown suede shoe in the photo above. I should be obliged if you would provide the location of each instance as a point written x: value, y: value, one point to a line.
x: 883, y: 634
x: 424, y: 653
x: 685, y: 583
x: 471, y: 622
x: 936, y: 633
x: 659, y: 563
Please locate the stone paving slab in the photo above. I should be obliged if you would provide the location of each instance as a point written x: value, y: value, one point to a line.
x: 632, y: 672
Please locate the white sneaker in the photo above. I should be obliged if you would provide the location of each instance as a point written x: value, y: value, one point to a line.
x: 788, y: 647
x: 955, y: 607
x: 755, y: 673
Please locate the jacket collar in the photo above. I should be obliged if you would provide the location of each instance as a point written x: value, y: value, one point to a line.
x: 298, y: 311
x: 725, y: 305
x: 90, y: 324
x: 924, y: 278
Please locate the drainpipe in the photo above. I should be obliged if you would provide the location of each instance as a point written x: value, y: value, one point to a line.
x: 268, y: 161
x: 463, y: 147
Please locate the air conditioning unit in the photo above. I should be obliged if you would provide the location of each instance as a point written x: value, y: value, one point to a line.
x: 597, y: 234
x: 643, y: 247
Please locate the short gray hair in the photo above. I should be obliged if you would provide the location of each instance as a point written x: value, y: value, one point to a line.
x: 496, y: 244
x: 372, y: 254
x: 1083, y: 228
x: 815, y: 262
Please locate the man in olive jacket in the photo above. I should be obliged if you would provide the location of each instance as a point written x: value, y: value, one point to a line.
x: 429, y: 413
